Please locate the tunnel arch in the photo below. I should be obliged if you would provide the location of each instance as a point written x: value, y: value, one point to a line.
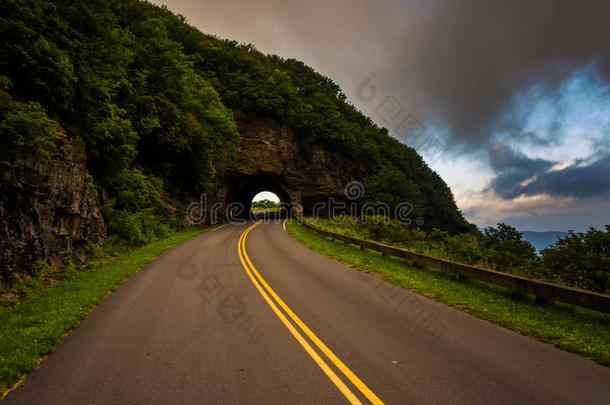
x: 243, y: 191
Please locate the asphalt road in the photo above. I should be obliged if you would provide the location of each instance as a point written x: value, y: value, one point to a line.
x: 201, y: 325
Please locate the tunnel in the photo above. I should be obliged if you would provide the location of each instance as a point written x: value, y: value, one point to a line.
x: 239, y: 197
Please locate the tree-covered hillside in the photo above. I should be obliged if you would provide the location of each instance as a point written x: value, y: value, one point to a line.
x: 152, y: 100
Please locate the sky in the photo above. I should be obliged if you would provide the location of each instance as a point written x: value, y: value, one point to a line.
x: 266, y: 195
x: 509, y: 101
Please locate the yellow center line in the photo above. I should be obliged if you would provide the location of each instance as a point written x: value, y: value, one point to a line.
x: 338, y: 363
x: 327, y: 370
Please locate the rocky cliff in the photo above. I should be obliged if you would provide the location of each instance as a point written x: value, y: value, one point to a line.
x: 47, y: 210
x: 271, y: 157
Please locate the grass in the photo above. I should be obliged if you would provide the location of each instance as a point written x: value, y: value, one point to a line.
x: 567, y: 327
x: 36, y: 325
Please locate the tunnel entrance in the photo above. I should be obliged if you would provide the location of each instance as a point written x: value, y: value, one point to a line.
x: 243, y: 196
x: 266, y: 205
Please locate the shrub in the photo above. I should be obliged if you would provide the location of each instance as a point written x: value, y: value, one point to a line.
x: 581, y: 259
x: 136, y: 228
x: 137, y: 213
x: 25, y: 126
x: 506, y: 250
x: 464, y: 248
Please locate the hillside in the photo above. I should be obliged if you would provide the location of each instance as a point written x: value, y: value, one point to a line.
x: 153, y: 103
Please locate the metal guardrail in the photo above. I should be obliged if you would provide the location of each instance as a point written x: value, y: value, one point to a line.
x: 544, y: 291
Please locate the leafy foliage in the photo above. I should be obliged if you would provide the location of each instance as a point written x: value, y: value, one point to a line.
x: 505, y: 247
x: 25, y: 126
x: 136, y: 213
x: 581, y: 259
x: 264, y: 204
x: 578, y: 260
x: 124, y: 89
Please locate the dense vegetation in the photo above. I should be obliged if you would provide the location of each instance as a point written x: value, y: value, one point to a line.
x: 154, y: 102
x: 264, y: 205
x: 115, y: 81
x: 579, y: 260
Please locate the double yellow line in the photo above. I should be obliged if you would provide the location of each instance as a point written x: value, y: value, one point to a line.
x: 265, y: 290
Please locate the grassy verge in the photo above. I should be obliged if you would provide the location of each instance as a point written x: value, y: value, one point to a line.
x: 567, y: 327
x: 34, y: 327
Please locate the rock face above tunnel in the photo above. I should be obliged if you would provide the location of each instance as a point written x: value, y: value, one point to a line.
x: 46, y: 211
x: 271, y: 153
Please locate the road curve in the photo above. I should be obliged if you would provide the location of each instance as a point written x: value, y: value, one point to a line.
x: 245, y: 314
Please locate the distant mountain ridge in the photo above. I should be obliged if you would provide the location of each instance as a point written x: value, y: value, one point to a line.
x: 542, y: 240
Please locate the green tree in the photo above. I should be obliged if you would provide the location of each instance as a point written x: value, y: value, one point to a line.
x: 25, y: 128
x: 581, y: 259
x: 506, y: 250
x: 264, y: 204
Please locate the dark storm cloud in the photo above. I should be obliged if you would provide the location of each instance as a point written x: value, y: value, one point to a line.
x: 578, y: 180
x: 453, y: 62
x: 512, y: 169
x: 502, y: 158
x: 517, y: 175
x: 475, y: 55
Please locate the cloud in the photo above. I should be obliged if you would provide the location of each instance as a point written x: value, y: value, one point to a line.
x: 462, y: 62
x: 588, y: 214
x: 540, y: 212
x: 513, y: 169
x: 578, y: 180
x: 487, y: 203
x: 518, y: 175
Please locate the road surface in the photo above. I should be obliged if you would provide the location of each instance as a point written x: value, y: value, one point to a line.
x: 245, y: 314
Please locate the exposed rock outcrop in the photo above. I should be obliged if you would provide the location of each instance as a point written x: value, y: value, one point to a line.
x: 271, y: 157
x: 47, y: 210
